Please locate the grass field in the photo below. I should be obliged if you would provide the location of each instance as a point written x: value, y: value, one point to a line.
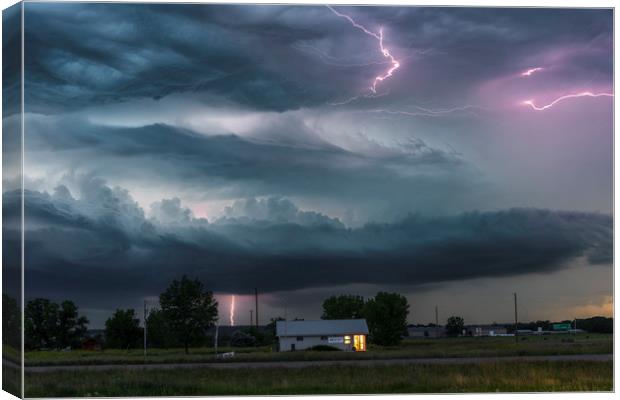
x: 487, y: 377
x: 410, y: 348
x: 11, y: 380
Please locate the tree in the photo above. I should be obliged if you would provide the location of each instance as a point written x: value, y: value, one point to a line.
x: 71, y: 327
x: 386, y: 315
x: 455, y: 325
x: 596, y: 324
x: 48, y: 325
x: 189, y: 308
x: 269, y: 336
x: 159, y: 332
x: 345, y: 306
x: 40, y: 323
x: 11, y: 322
x: 271, y: 326
x: 242, y: 339
x: 122, y: 330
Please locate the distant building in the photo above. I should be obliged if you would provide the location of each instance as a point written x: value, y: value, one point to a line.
x: 91, y: 344
x: 487, y: 330
x: 344, y: 334
x: 426, y: 331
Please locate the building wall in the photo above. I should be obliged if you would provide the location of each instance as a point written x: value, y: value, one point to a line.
x: 487, y: 331
x: 311, y: 341
x: 426, y: 332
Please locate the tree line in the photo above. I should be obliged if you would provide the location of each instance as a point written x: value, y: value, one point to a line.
x: 455, y: 325
x: 187, y: 311
x: 386, y: 314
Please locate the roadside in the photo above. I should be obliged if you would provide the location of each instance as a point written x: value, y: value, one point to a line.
x: 490, y: 376
x: 320, y: 363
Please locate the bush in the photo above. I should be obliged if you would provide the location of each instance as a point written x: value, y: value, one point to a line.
x: 323, y: 347
x: 242, y: 339
x: 123, y: 331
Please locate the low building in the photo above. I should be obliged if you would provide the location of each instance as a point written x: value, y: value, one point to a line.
x: 487, y: 330
x: 91, y: 344
x: 425, y: 331
x: 343, y: 334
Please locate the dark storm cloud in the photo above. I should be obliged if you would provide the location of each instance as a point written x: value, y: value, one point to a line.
x: 102, y: 244
x: 233, y: 166
x: 79, y: 55
x: 274, y: 209
x: 11, y: 64
x: 274, y: 57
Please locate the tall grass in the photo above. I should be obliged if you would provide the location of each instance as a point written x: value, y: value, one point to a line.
x: 410, y: 348
x: 11, y: 380
x: 486, y: 377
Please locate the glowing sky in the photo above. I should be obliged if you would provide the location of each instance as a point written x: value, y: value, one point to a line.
x: 452, y: 154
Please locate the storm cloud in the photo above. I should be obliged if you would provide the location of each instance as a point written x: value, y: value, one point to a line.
x: 286, y: 57
x: 273, y: 244
x: 243, y: 144
x: 234, y: 166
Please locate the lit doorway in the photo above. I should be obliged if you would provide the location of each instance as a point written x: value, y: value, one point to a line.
x: 359, y: 342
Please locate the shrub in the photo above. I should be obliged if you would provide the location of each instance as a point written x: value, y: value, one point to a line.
x: 323, y: 347
x: 242, y: 339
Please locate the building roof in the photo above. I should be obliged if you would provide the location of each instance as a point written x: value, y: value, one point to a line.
x: 323, y: 327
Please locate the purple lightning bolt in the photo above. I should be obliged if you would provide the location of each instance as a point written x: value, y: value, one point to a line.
x: 395, y: 64
x: 568, y: 96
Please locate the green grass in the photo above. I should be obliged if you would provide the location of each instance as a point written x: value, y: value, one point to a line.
x: 410, y: 348
x: 11, y: 380
x: 485, y: 377
x: 11, y: 353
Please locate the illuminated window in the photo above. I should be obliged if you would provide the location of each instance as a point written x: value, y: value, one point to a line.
x: 347, y: 339
x: 359, y: 342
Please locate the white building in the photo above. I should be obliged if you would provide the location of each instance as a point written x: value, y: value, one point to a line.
x: 344, y: 334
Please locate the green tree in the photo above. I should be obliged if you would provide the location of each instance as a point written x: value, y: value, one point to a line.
x: 49, y: 325
x: 386, y: 315
x: 40, y: 319
x: 71, y: 327
x: 122, y: 330
x: 189, y: 308
x: 159, y: 332
x: 11, y: 322
x: 345, y: 306
x: 596, y: 324
x: 455, y: 326
x: 270, y: 329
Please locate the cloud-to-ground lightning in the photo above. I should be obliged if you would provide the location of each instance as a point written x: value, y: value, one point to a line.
x: 394, y: 63
x: 565, y: 97
x: 232, y: 310
x: 531, y: 71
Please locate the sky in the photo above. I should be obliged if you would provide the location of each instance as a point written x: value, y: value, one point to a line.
x: 454, y: 155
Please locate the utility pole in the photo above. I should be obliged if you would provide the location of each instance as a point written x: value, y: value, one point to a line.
x: 436, y: 322
x: 575, y: 331
x: 145, y: 316
x: 251, y: 320
x: 516, y: 320
x: 256, y: 306
x: 217, y: 329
